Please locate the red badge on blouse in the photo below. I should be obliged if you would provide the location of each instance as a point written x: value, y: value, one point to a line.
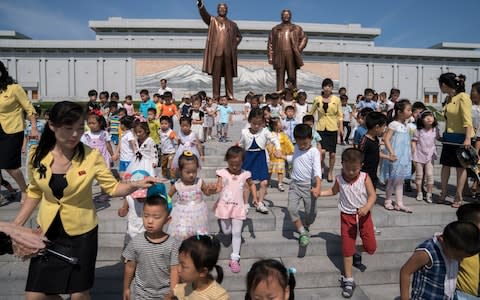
x: 82, y: 173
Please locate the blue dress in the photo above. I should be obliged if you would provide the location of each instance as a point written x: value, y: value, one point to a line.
x: 256, y: 162
x: 402, y: 167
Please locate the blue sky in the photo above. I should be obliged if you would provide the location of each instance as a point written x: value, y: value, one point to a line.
x: 404, y: 23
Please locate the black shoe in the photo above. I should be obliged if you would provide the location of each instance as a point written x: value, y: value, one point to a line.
x: 408, y: 186
x: 357, y: 260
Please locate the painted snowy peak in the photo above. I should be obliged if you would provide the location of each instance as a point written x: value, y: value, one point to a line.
x: 189, y: 78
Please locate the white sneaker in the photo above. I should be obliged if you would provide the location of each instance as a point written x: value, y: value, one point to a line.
x: 420, y: 196
x: 429, y: 198
x: 261, y: 208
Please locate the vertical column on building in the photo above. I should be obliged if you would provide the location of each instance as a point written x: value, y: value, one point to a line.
x: 12, y: 66
x: 395, y: 75
x: 343, y: 75
x: 130, y: 77
x: 42, y: 93
x: 100, y: 74
x: 71, y: 77
x: 370, y: 82
x: 420, y: 96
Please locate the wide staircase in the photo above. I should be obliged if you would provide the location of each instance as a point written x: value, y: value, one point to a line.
x: 270, y: 236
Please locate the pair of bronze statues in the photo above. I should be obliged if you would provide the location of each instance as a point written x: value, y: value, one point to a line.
x: 285, y: 45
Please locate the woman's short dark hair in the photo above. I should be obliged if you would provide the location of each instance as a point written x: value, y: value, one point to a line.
x: 5, y: 79
x: 327, y: 81
x: 453, y: 81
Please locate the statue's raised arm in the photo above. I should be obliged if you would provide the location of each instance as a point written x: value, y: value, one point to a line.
x: 220, y: 57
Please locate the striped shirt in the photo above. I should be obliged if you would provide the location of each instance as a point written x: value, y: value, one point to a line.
x: 152, y: 274
x: 353, y: 195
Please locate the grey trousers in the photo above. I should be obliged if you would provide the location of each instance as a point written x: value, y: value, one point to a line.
x: 300, y: 191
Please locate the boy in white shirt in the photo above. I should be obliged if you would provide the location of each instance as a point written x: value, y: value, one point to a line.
x: 305, y: 167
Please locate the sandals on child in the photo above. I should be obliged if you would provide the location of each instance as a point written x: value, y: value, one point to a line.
x: 457, y: 204
x: 403, y: 208
x: 388, y: 205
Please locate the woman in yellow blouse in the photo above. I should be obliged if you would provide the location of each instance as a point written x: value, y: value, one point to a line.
x: 14, y: 102
x: 458, y: 130
x: 329, y: 122
x: 62, y: 171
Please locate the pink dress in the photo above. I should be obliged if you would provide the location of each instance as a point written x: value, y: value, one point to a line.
x: 230, y: 205
x: 190, y: 211
x: 98, y: 141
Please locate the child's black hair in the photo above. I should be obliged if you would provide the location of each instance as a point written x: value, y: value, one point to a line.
x: 124, y: 110
x: 234, y: 151
x: 114, y: 95
x: 143, y: 125
x: 113, y: 104
x: 104, y: 94
x: 463, y: 236
x: 204, y: 251
x: 469, y: 212
x: 92, y: 93
x: 397, y: 108
x: 375, y: 118
x: 343, y: 97
x: 365, y: 111
x: 289, y: 107
x: 129, y: 97
x: 100, y: 119
x: 422, y: 116
x: 185, y: 157
x: 368, y: 91
x: 302, y: 131
x: 352, y: 155
x: 128, y: 121
x: 144, y: 92
x: 167, y: 94
x: 165, y: 118
x: 308, y: 118
x: 418, y: 106
x: 155, y: 200
x: 255, y: 113
x: 152, y: 109
x: 393, y: 91
x: 185, y: 119
x: 156, y: 95
x: 267, y: 269
x: 274, y: 96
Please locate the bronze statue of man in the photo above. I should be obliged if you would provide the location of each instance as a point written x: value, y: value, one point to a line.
x: 285, y: 45
x: 220, y: 58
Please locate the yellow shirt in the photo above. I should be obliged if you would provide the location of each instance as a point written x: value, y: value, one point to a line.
x: 154, y: 126
x: 330, y: 119
x: 13, y: 102
x: 458, y: 112
x: 214, y: 291
x: 468, y: 277
x: 77, y: 211
x: 159, y: 109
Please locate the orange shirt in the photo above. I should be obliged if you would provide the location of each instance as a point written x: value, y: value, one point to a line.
x: 169, y: 110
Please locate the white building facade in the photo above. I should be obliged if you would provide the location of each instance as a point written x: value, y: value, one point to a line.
x: 130, y: 54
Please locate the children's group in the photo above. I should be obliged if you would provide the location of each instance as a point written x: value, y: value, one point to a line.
x: 289, y: 138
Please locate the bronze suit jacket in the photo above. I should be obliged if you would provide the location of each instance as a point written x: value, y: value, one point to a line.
x: 234, y: 38
x: 298, y: 41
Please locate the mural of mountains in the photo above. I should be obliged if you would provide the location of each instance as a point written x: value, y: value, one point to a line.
x: 188, y: 78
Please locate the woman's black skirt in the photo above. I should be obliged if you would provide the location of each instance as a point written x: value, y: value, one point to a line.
x: 51, y: 275
x: 10, y: 150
